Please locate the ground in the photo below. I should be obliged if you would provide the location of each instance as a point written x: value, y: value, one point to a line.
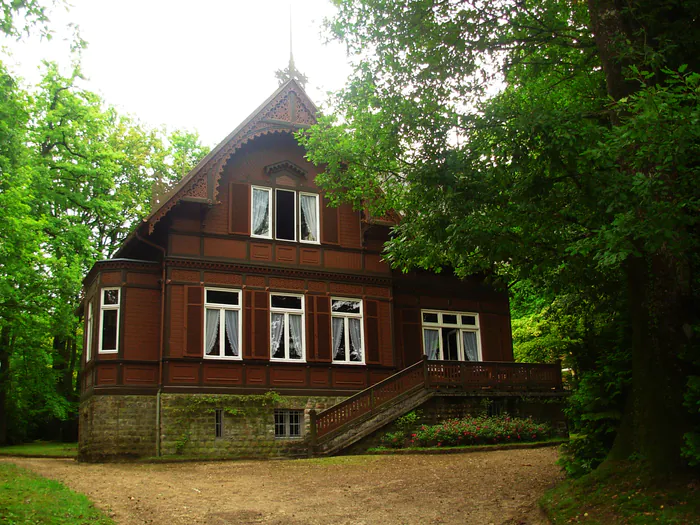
x: 481, y: 488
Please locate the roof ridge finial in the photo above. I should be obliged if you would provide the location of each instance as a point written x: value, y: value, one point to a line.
x: 291, y: 72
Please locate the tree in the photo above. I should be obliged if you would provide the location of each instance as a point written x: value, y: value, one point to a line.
x: 580, y: 174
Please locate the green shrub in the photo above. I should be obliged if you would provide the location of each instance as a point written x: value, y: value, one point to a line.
x: 394, y: 439
x: 480, y: 430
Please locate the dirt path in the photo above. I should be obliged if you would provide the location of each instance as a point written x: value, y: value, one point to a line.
x: 499, y: 487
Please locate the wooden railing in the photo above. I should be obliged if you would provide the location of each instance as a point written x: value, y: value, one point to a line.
x: 369, y: 399
x: 457, y: 376
x: 496, y: 376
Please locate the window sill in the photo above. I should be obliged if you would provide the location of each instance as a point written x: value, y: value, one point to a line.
x: 224, y: 358
x: 108, y: 352
x: 351, y: 363
x: 280, y: 360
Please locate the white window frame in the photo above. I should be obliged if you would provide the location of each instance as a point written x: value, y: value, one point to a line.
x: 318, y: 218
x: 294, y: 214
x: 286, y: 334
x: 272, y: 207
x: 285, y: 413
x: 346, y: 332
x: 269, y: 208
x: 222, y: 316
x: 103, y: 309
x: 89, y: 333
x: 459, y: 326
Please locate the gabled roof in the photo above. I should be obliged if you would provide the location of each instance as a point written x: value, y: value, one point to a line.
x: 287, y: 110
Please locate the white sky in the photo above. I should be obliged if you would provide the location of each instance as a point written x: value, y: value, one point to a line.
x: 202, y: 65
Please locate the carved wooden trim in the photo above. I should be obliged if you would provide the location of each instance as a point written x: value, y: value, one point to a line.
x: 285, y: 165
x: 279, y: 110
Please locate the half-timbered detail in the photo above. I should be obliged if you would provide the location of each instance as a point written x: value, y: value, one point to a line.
x: 245, y: 316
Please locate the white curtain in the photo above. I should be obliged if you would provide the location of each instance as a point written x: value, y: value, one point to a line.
x: 355, y: 340
x: 431, y: 341
x: 231, y: 320
x: 308, y: 214
x: 261, y: 212
x: 276, y: 334
x: 338, y: 338
x: 471, y: 353
x: 212, y: 332
x: 295, y: 332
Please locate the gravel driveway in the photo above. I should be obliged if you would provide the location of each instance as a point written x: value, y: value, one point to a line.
x: 481, y: 488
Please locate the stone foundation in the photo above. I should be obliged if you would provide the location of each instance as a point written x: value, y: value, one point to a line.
x: 123, y: 426
x: 117, y: 426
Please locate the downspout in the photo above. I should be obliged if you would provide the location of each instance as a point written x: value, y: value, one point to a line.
x: 162, y: 339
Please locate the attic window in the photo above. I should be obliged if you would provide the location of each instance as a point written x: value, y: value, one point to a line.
x: 291, y: 215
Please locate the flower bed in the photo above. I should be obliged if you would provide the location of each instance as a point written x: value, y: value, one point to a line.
x: 480, y: 430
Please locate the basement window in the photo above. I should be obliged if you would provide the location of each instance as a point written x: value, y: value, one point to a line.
x: 288, y: 423
x: 218, y: 423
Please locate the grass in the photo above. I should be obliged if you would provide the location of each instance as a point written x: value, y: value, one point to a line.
x: 42, y: 448
x: 622, y: 493
x: 26, y: 498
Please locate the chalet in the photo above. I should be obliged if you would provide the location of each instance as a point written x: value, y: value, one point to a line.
x: 246, y: 317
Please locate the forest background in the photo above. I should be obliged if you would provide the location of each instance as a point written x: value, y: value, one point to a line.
x: 576, y: 186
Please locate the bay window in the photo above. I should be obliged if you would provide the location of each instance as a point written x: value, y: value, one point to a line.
x: 287, y: 333
x: 222, y: 323
x: 346, y: 319
x: 451, y: 336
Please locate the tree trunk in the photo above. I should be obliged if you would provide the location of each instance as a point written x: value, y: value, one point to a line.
x: 4, y: 380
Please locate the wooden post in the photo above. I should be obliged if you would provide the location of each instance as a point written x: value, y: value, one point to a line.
x: 426, y: 376
x: 312, y: 432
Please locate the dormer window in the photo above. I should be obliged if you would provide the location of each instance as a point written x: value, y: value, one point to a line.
x: 295, y: 215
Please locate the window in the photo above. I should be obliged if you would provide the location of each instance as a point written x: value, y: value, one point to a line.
x: 222, y: 323
x: 218, y: 422
x: 109, y: 320
x: 288, y: 423
x: 346, y: 318
x: 296, y: 215
x: 451, y: 336
x: 260, y: 213
x: 287, y: 338
x: 88, y: 334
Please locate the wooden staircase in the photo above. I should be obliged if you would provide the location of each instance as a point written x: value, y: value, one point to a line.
x: 345, y: 423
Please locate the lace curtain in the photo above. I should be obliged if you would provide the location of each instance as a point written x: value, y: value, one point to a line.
x: 277, y: 330
x: 355, y: 340
x: 261, y: 212
x: 212, y: 332
x: 308, y: 214
x: 471, y: 352
x: 338, y: 338
x: 295, y: 332
x: 231, y: 322
x: 431, y: 340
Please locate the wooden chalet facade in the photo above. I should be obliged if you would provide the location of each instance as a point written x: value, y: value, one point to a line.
x: 243, y: 281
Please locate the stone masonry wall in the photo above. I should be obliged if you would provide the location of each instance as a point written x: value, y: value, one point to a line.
x: 117, y: 426
x: 188, y: 425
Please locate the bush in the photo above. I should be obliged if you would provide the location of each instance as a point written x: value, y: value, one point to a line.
x: 480, y: 430
x: 394, y: 439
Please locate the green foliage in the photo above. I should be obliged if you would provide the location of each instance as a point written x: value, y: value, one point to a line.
x: 578, y: 177
x: 75, y: 176
x: 691, y: 447
x: 26, y: 498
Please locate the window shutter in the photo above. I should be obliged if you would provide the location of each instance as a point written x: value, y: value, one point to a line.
x: 323, y: 329
x: 411, y: 335
x: 329, y: 217
x: 372, y: 331
x: 261, y: 326
x: 247, y: 324
x: 239, y: 208
x: 194, y: 321
x: 310, y: 328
